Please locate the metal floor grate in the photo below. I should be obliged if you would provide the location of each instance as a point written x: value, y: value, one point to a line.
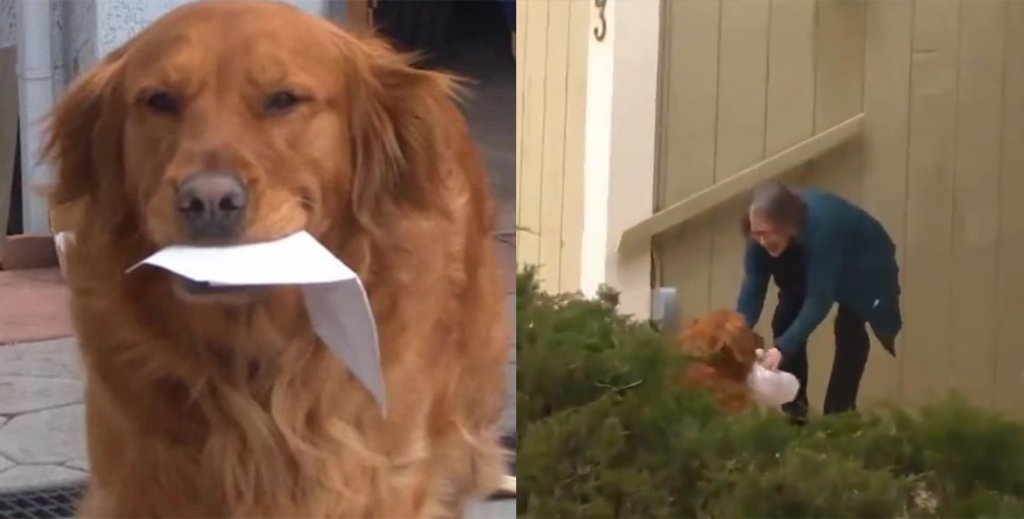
x: 41, y: 503
x: 59, y: 502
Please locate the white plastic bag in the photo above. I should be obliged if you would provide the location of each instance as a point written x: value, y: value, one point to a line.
x: 771, y: 388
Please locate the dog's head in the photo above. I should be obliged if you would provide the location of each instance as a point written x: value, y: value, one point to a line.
x: 232, y: 122
x: 723, y: 342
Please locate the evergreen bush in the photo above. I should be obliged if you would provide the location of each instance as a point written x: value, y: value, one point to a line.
x: 606, y: 429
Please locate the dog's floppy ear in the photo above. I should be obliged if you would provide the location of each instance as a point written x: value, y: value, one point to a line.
x: 728, y: 340
x: 739, y: 341
x: 402, y: 122
x: 85, y: 136
x: 696, y: 340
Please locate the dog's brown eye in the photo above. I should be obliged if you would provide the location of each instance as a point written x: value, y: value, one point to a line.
x: 280, y: 102
x: 162, y: 102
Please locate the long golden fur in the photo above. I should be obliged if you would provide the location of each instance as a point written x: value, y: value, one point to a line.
x: 724, y: 351
x: 233, y: 407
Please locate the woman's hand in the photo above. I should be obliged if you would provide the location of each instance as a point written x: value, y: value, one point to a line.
x: 772, y: 358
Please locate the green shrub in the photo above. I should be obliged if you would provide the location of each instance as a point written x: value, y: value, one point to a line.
x: 607, y: 430
x: 808, y: 483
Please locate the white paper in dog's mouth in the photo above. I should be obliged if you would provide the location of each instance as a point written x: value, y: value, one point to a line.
x: 334, y: 297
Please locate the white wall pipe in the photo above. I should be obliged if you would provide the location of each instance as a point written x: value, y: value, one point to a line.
x: 35, y: 87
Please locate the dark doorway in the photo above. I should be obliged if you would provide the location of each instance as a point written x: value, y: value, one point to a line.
x: 443, y: 31
x: 414, y: 25
x: 472, y: 38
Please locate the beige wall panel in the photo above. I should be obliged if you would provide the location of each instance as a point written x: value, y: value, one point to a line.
x: 976, y: 189
x: 1009, y: 363
x: 575, y: 132
x: 551, y: 72
x: 839, y: 90
x: 531, y: 153
x: 790, y: 104
x: 931, y: 164
x: 742, y: 89
x: 689, y: 98
x: 556, y: 74
x: 884, y: 179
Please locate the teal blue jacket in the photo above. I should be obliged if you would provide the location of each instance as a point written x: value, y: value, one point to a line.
x: 850, y: 259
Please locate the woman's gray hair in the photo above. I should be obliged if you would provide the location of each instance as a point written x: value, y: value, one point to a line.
x: 777, y: 202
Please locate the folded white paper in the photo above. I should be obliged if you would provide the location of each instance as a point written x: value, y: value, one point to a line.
x: 334, y: 297
x: 771, y: 388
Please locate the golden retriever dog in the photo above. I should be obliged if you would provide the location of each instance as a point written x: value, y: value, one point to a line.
x: 724, y: 350
x: 235, y: 122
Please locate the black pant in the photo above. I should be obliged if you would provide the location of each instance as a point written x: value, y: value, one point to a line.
x: 852, y: 342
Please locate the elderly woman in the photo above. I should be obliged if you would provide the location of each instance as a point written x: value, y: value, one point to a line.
x: 820, y: 249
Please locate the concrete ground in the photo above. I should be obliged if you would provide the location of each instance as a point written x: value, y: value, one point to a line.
x: 42, y: 440
x: 41, y: 417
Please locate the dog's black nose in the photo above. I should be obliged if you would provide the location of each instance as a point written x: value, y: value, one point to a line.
x: 211, y: 205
